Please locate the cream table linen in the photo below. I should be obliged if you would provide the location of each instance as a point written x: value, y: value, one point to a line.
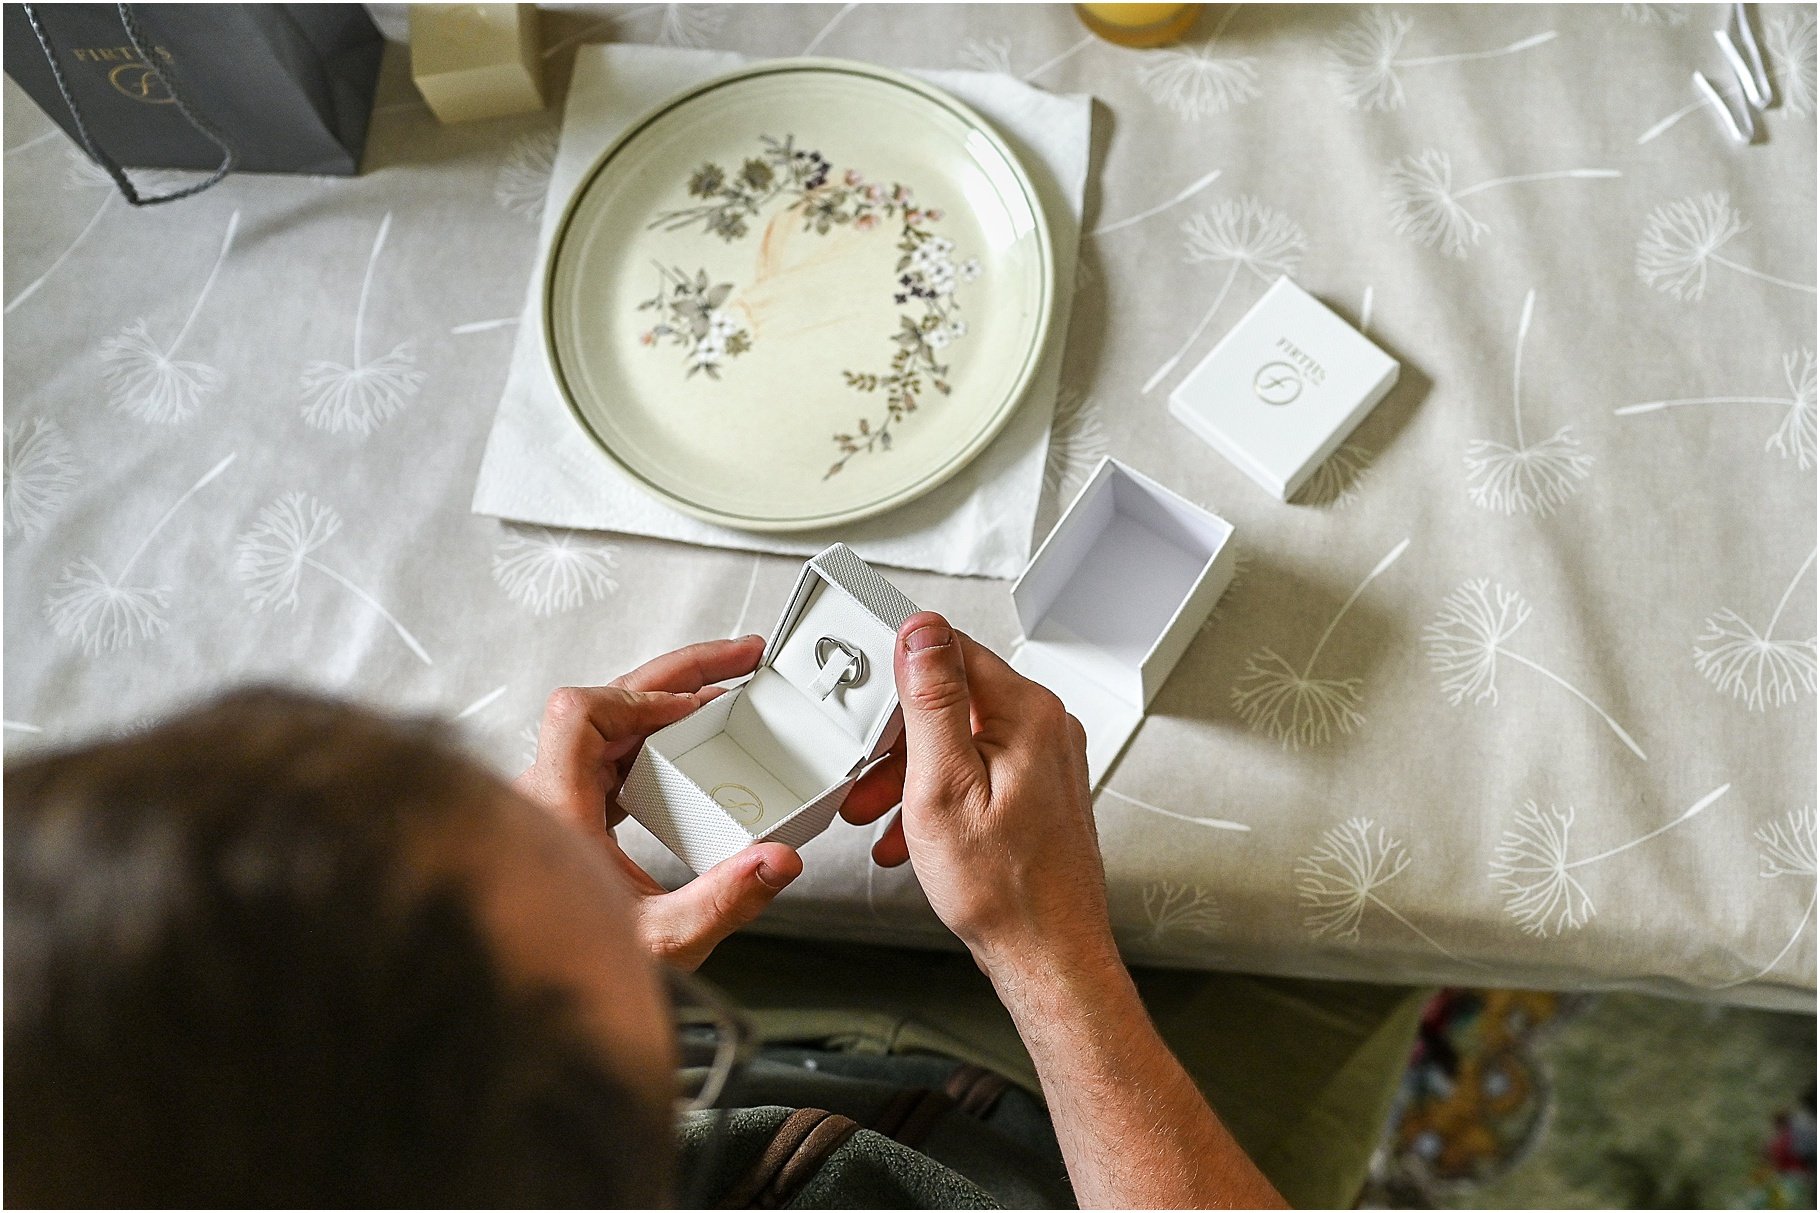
x: 1565, y: 739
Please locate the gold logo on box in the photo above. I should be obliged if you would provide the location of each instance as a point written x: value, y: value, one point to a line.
x: 741, y: 802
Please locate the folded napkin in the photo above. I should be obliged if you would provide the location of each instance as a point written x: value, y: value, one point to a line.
x: 540, y: 467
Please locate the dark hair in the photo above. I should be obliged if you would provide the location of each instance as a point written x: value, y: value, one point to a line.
x: 226, y: 984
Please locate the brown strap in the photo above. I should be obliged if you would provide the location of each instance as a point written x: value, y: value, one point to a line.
x: 897, y: 1109
x: 975, y: 1090
x: 911, y: 1114
x: 827, y: 1137
x: 797, y: 1150
x: 784, y: 1142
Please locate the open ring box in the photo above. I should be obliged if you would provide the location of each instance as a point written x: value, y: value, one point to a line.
x: 1113, y: 598
x: 773, y: 759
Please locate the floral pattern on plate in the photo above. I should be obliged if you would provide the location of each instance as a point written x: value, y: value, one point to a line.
x: 694, y: 314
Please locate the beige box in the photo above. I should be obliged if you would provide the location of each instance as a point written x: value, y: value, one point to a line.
x: 473, y: 61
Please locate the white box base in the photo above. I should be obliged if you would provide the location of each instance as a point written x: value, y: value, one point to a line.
x: 772, y: 760
x: 1114, y: 597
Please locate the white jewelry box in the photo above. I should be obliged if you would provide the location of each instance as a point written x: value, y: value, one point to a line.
x: 1114, y: 597
x: 773, y: 759
x: 1281, y: 391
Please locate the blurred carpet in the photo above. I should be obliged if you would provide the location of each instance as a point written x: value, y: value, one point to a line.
x: 1526, y: 1099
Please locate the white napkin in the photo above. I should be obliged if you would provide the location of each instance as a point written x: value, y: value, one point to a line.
x: 540, y: 467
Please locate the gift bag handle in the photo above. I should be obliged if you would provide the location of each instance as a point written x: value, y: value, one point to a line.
x: 165, y: 76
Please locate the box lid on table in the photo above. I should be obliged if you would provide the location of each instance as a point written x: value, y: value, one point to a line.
x: 1281, y: 391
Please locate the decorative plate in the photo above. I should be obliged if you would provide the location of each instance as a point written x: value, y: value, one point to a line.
x: 799, y: 294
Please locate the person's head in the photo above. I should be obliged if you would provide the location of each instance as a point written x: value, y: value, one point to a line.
x: 284, y: 952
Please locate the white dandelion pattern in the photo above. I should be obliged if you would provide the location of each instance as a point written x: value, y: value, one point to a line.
x: 1077, y: 441
x: 1785, y: 848
x: 1365, y: 59
x: 1338, y: 479
x: 987, y: 55
x: 1530, y: 477
x: 1793, y: 438
x: 1729, y: 93
x: 1177, y: 910
x: 74, y: 179
x: 147, y: 380
x: 1200, y: 80
x: 270, y: 558
x: 994, y: 55
x: 1656, y: 14
x: 1469, y: 635
x: 690, y: 25
x: 1211, y: 823
x: 1180, y: 196
x: 1531, y: 867
x: 1341, y: 878
x: 484, y: 702
x: 548, y: 571
x: 821, y: 35
x: 1240, y: 233
x: 1788, y: 846
x: 1681, y: 239
x: 41, y: 473
x: 1427, y: 209
x: 1294, y: 707
x: 98, y: 613
x: 1241, y: 569
x: 524, y: 177
x: 1789, y: 38
x: 1754, y: 666
x: 362, y: 395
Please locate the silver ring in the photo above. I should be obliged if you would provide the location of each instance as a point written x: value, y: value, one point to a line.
x: 855, y: 673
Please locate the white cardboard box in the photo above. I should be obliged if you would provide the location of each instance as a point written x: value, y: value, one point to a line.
x: 1114, y: 597
x: 773, y: 759
x: 1283, y: 388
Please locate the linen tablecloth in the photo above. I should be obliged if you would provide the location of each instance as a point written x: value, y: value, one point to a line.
x: 1565, y: 739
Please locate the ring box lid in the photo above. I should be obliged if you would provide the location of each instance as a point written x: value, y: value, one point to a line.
x: 1114, y: 596
x: 1283, y: 388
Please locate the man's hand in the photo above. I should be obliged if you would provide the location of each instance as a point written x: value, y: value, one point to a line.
x: 589, y: 738
x: 997, y: 817
x: 998, y: 823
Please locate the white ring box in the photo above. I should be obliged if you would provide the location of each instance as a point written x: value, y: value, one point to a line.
x: 773, y: 759
x: 1283, y: 388
x: 1113, y: 598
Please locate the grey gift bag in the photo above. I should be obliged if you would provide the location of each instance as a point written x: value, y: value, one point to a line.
x: 265, y: 88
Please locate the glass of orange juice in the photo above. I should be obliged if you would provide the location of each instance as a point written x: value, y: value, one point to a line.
x: 1138, y: 24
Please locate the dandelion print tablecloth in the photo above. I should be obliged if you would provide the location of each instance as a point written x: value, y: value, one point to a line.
x: 1521, y: 691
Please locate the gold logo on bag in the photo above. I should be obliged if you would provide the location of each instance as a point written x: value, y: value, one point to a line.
x: 131, y: 76
x: 138, y: 81
x: 741, y: 802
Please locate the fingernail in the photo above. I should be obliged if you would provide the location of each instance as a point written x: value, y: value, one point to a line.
x: 770, y: 877
x: 751, y: 636
x: 929, y: 636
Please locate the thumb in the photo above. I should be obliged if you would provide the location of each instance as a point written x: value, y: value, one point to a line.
x: 683, y: 927
x: 932, y: 687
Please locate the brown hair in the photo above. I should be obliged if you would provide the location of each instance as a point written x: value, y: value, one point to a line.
x: 227, y: 985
